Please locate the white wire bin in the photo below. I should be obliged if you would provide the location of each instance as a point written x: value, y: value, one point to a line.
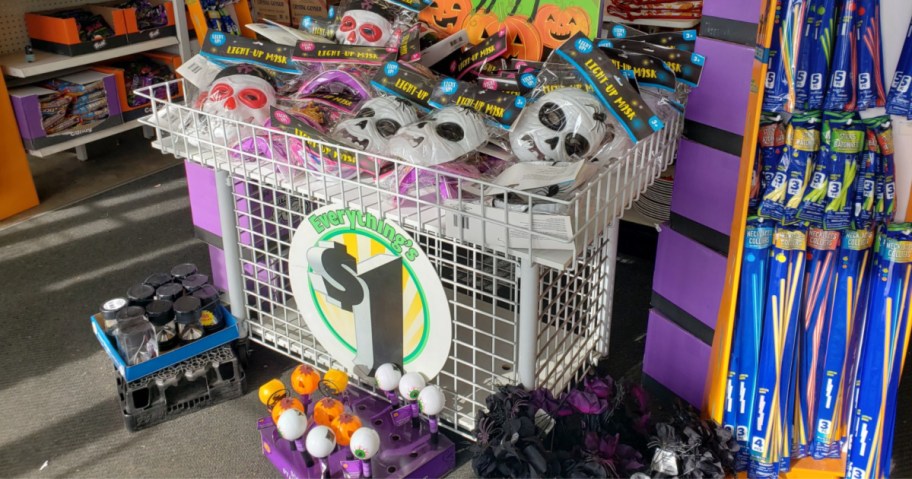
x: 530, y: 302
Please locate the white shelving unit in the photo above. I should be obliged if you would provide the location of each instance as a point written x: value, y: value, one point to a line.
x: 48, y: 65
x: 14, y: 64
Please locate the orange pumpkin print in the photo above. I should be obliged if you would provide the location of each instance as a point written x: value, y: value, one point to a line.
x: 327, y: 410
x: 556, y: 25
x: 523, y: 40
x: 344, y: 426
x: 305, y: 380
x: 285, y: 404
x: 446, y: 17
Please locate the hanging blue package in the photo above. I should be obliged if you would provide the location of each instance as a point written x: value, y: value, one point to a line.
x: 821, y: 53
x: 803, y: 71
x: 841, y: 95
x: 871, y: 91
x: 846, y: 142
x: 745, y: 351
x: 784, y: 193
x: 776, y: 92
x: 868, y: 163
x: 770, y: 142
x: 899, y: 100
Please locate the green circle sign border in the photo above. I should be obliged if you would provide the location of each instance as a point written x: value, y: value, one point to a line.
x: 424, y: 306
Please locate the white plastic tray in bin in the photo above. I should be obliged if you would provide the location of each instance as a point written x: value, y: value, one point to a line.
x: 132, y: 373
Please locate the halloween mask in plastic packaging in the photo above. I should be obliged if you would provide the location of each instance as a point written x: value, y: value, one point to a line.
x: 447, y: 134
x: 239, y: 93
x: 566, y: 124
x: 365, y: 28
x: 376, y: 122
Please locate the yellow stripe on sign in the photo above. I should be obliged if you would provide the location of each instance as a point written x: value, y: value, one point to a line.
x: 376, y: 248
x: 415, y: 321
x: 351, y: 245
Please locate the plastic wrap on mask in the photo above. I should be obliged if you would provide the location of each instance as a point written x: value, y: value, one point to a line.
x: 443, y: 181
x: 239, y: 95
x: 365, y: 23
x: 378, y: 120
x: 446, y: 135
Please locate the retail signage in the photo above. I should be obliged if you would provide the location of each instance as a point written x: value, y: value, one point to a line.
x: 369, y: 293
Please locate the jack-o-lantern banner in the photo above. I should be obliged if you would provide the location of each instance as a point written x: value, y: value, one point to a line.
x: 534, y: 27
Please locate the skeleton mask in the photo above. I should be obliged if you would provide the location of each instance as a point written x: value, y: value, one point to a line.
x: 564, y: 125
x: 376, y: 121
x: 240, y: 93
x: 444, y: 136
x: 365, y: 28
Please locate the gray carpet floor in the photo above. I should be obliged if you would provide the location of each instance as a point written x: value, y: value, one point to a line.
x: 59, y: 413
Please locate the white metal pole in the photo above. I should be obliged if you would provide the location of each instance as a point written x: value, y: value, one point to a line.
x: 183, y: 33
x: 609, y: 266
x: 228, y: 222
x: 528, y: 321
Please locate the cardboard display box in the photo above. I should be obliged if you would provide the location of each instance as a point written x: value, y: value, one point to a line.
x: 27, y: 106
x: 61, y: 35
x: 306, y: 8
x: 133, y: 112
x: 275, y: 10
x: 135, y: 35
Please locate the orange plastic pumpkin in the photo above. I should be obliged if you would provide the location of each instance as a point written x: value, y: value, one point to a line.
x: 272, y: 392
x: 285, y: 404
x: 344, y: 426
x: 305, y: 380
x: 556, y: 25
x: 327, y: 410
x: 446, y: 16
x: 336, y: 380
x: 523, y: 40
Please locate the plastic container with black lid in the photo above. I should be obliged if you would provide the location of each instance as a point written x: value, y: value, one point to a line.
x: 211, y: 319
x: 156, y: 280
x: 109, y: 311
x: 181, y: 271
x: 140, y: 295
x: 161, y: 315
x: 188, y: 310
x: 194, y: 282
x: 135, y: 336
x: 169, y: 292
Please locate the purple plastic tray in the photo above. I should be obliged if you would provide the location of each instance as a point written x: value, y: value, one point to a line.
x: 404, y: 451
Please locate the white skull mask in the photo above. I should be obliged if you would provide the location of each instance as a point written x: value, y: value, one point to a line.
x: 242, y: 98
x: 446, y: 135
x: 376, y: 121
x: 564, y: 125
x: 365, y: 28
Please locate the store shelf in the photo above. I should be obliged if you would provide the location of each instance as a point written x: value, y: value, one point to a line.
x: 14, y: 64
x: 84, y: 139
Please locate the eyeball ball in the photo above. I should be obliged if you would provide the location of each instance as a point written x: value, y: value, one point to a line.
x: 410, y: 385
x: 564, y: 125
x: 320, y: 442
x: 305, y: 380
x: 431, y: 400
x: 292, y: 424
x: 388, y: 376
x: 365, y: 442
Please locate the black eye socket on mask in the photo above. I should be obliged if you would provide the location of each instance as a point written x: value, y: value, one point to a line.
x: 365, y: 113
x: 576, y: 145
x: 387, y: 127
x: 450, y: 131
x: 552, y: 116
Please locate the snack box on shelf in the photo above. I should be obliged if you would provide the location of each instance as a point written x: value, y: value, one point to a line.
x: 130, y: 113
x: 184, y: 352
x: 27, y: 107
x: 137, y: 35
x: 61, y: 35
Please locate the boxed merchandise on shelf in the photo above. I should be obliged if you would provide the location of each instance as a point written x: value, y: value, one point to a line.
x: 278, y: 11
x: 139, y: 30
x: 43, y: 113
x: 167, y: 360
x: 59, y: 32
x: 134, y: 107
x: 200, y: 381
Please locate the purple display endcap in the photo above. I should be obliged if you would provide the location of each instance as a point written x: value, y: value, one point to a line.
x: 110, y: 85
x: 721, y: 99
x: 705, y: 185
x: 689, y: 275
x: 203, y: 202
x: 28, y: 115
x: 218, y: 276
x: 404, y: 451
x: 676, y: 359
x: 403, y: 415
x: 741, y: 10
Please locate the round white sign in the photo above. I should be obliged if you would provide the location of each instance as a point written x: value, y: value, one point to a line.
x: 368, y: 293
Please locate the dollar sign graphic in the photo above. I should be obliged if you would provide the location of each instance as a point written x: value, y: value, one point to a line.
x: 335, y: 274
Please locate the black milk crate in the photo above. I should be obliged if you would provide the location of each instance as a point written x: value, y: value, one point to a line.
x: 204, y: 380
